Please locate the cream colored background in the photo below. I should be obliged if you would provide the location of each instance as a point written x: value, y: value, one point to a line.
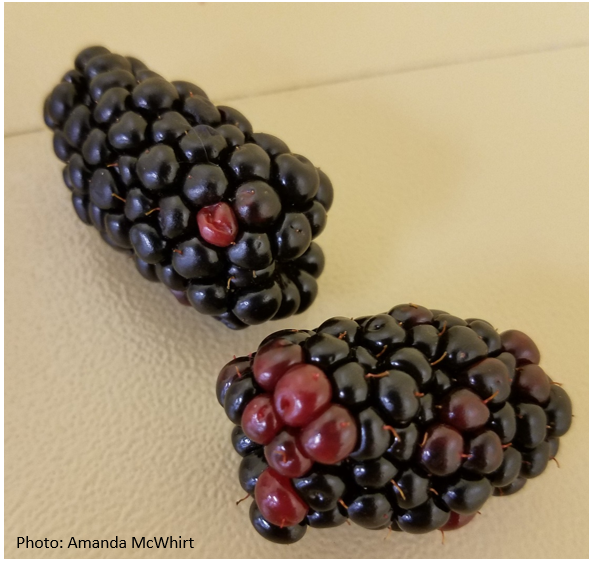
x: 457, y: 140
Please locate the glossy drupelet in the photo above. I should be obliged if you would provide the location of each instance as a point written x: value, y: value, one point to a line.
x: 409, y: 420
x: 205, y: 205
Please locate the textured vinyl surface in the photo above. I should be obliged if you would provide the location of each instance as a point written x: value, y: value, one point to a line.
x: 462, y: 188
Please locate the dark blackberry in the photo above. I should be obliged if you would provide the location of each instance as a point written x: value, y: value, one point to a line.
x: 352, y: 421
x: 212, y: 209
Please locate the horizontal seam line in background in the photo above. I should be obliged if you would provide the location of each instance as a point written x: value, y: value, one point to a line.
x: 403, y: 70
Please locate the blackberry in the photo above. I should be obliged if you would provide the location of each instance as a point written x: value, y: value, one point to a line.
x: 223, y: 216
x: 410, y: 420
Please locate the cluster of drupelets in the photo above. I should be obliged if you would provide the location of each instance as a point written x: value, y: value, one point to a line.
x: 409, y: 420
x: 223, y: 216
